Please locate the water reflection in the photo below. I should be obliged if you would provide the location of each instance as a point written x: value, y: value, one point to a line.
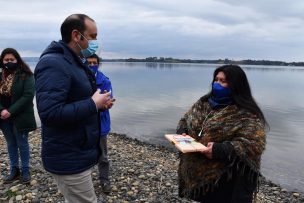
x: 154, y: 65
x: 273, y: 68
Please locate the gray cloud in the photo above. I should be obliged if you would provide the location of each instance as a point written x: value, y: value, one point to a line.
x: 206, y: 29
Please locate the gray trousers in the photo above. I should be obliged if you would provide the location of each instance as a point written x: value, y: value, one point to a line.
x: 103, y: 162
x: 76, y: 188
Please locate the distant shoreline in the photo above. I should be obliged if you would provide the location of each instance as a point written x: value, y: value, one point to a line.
x: 197, y: 61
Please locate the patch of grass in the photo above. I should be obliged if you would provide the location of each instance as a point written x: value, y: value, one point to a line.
x: 10, y: 194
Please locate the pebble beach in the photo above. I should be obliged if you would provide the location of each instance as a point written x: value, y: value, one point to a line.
x: 140, y: 172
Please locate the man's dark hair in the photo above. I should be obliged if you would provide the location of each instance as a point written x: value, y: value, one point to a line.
x: 94, y: 56
x: 73, y: 22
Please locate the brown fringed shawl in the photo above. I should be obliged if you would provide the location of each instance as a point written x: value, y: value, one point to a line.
x: 243, y: 130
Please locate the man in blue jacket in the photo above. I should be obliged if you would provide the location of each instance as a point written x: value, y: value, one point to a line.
x: 104, y: 84
x: 68, y: 104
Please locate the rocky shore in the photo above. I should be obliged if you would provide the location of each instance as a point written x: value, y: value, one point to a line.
x: 140, y: 172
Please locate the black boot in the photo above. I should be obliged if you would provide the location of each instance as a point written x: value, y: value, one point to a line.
x: 106, y: 187
x: 26, y: 177
x: 14, y: 175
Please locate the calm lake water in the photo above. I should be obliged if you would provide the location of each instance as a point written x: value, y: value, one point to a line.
x: 152, y: 97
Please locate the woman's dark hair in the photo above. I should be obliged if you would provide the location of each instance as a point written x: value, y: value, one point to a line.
x: 240, y: 89
x: 73, y: 22
x: 23, y: 66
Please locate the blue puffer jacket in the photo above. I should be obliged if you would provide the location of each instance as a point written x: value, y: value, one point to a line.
x: 70, y: 133
x: 103, y: 83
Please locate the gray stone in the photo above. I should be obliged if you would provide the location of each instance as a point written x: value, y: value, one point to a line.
x: 18, y: 197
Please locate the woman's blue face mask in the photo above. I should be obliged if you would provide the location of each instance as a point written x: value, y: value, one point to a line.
x: 219, y: 91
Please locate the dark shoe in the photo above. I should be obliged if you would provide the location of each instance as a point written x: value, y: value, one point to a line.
x: 26, y: 177
x: 106, y: 187
x: 14, y: 175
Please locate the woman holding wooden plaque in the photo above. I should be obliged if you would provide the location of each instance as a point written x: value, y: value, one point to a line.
x: 229, y: 122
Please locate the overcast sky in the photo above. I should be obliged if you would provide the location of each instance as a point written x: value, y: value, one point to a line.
x: 194, y: 29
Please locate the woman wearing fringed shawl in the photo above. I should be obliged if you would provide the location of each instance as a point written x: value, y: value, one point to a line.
x: 232, y: 126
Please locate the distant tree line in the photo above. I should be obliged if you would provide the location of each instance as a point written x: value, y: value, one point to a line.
x: 217, y: 61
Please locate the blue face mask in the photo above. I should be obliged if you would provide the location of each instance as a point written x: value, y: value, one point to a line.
x: 92, y: 47
x: 94, y: 68
x: 221, y: 96
x: 218, y: 91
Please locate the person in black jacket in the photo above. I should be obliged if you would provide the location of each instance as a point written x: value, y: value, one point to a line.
x: 17, y: 113
x: 68, y: 104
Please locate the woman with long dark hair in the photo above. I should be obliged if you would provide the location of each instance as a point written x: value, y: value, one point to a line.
x: 17, y: 113
x: 232, y: 126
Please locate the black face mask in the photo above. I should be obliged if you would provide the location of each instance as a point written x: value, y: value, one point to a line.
x: 11, y: 66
